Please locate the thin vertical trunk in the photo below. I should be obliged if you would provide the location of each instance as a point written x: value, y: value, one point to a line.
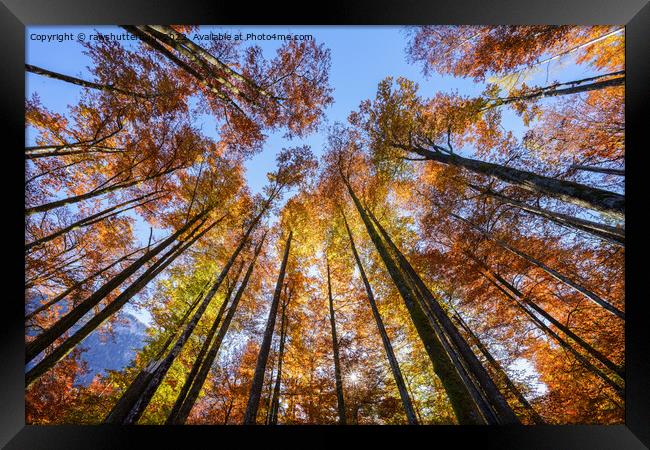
x: 607, y: 233
x: 565, y: 345
x: 390, y: 354
x: 340, y: 399
x: 206, y: 343
x: 144, y: 376
x: 275, y: 398
x: 552, y: 272
x: 534, y: 415
x: 91, y: 325
x: 185, y: 403
x: 493, y: 400
x: 128, y: 412
x: 559, y: 325
x: 183, y: 319
x: 605, y: 202
x: 462, y: 401
x: 269, y: 389
x: 258, y: 378
x: 47, y: 337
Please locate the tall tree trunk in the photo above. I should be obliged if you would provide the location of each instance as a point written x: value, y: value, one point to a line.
x: 575, y: 87
x: 534, y: 415
x: 549, y: 318
x: 607, y: 170
x: 340, y: 399
x: 79, y: 284
x: 144, y: 34
x: 605, y: 202
x: 492, y: 400
x: 390, y: 354
x: 128, y: 412
x: 252, y: 406
x: 186, y: 314
x: 144, y: 376
x: 565, y: 345
x: 275, y: 398
x: 94, y: 193
x: 47, y: 337
x: 552, y: 272
x: 185, y: 403
x: 462, y: 401
x: 608, y: 233
x: 200, y: 358
x: 85, y: 83
x: 212, y: 65
x: 269, y: 388
x: 91, y: 325
x: 93, y: 218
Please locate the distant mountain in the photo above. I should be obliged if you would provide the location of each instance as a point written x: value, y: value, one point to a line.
x: 113, y: 352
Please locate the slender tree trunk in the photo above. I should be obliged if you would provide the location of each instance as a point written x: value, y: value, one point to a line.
x: 208, y: 57
x: 84, y: 83
x: 390, y: 354
x: 605, y: 202
x: 565, y: 345
x: 185, y: 403
x: 144, y: 34
x: 566, y: 280
x: 608, y: 233
x: 552, y: 272
x: 258, y: 378
x: 269, y: 388
x: 144, y: 376
x: 200, y: 358
x: 462, y: 401
x: 75, y: 286
x: 206, y: 60
x: 575, y: 87
x: 534, y: 415
x: 67, y: 150
x: 275, y: 399
x: 91, y: 325
x: 492, y: 400
x: 549, y: 318
x: 129, y: 412
x: 94, y: 193
x: 607, y: 170
x: 93, y: 218
x: 340, y: 399
x: 47, y: 337
x: 183, y: 319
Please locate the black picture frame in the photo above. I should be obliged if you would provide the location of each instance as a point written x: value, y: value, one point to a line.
x: 16, y: 14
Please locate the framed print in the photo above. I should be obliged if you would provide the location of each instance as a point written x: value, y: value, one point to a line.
x: 397, y: 221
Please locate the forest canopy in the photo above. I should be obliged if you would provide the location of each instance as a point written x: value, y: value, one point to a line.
x: 333, y: 230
